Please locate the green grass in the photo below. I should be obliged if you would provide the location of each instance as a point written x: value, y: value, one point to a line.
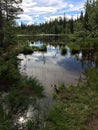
x: 19, y: 91
x: 31, y: 87
x: 76, y: 105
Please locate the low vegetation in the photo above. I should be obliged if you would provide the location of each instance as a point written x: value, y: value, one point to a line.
x: 63, y: 50
x: 77, y: 106
x: 27, y: 50
x: 16, y: 91
x: 30, y: 49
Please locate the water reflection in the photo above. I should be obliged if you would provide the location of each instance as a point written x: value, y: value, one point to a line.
x: 89, y: 57
x: 51, y: 67
x: 21, y: 120
x: 36, y: 44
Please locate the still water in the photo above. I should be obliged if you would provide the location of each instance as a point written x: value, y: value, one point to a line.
x: 51, y: 67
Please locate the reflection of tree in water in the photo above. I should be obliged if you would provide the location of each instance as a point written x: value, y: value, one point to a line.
x: 90, y: 56
x: 96, y: 54
x: 44, y: 59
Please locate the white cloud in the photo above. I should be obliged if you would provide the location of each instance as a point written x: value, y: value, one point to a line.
x: 46, y: 6
x: 36, y: 11
x: 67, y: 16
x: 71, y: 5
x: 25, y: 17
x: 30, y: 23
x: 77, y: 7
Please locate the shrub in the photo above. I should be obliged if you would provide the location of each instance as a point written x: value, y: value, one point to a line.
x: 63, y: 50
x: 27, y: 50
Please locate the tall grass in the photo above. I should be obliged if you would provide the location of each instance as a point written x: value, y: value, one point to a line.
x: 76, y: 105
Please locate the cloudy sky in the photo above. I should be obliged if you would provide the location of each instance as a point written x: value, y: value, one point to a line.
x: 39, y: 11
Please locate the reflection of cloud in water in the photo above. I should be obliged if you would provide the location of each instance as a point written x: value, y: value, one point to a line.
x: 71, y: 65
x: 51, y: 67
x: 21, y: 120
x: 80, y: 55
x: 68, y: 52
x: 52, y: 56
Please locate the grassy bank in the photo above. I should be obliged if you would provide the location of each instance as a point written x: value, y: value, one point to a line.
x: 17, y: 92
x: 77, y: 106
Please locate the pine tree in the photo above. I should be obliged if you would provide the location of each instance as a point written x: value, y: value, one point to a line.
x: 9, y: 10
x: 1, y: 26
x: 64, y: 23
x: 71, y: 25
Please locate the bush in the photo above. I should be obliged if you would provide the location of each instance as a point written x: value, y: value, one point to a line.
x: 63, y: 50
x: 76, y: 105
x: 27, y: 50
x: 43, y: 48
x: 31, y: 87
x: 75, y: 51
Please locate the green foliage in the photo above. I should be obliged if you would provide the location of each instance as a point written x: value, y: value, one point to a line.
x: 20, y: 95
x: 92, y: 78
x: 91, y: 16
x: 21, y: 91
x: 75, y: 51
x: 60, y: 25
x: 17, y: 101
x: 5, y: 122
x: 63, y: 50
x: 8, y: 12
x: 9, y: 32
x: 84, y: 26
x: 30, y: 126
x: 9, y: 74
x: 76, y: 105
x: 31, y: 87
x: 27, y: 50
x: 75, y: 48
x: 43, y: 48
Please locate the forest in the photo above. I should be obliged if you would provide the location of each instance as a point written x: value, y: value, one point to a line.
x: 76, y: 106
x: 85, y: 25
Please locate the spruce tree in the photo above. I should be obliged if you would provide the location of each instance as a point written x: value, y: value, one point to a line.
x: 9, y: 10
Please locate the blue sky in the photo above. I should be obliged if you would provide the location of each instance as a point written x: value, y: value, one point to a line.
x: 40, y: 11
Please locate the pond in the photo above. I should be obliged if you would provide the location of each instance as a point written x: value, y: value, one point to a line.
x: 51, y: 67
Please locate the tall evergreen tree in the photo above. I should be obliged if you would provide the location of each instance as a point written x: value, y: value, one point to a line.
x: 64, y: 23
x: 9, y: 9
x: 1, y: 25
x: 71, y: 25
x: 81, y: 16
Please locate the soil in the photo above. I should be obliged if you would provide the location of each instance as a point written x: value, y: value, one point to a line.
x: 93, y: 124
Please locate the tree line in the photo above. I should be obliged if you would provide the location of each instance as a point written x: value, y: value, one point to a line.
x: 20, y: 89
x: 85, y: 24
